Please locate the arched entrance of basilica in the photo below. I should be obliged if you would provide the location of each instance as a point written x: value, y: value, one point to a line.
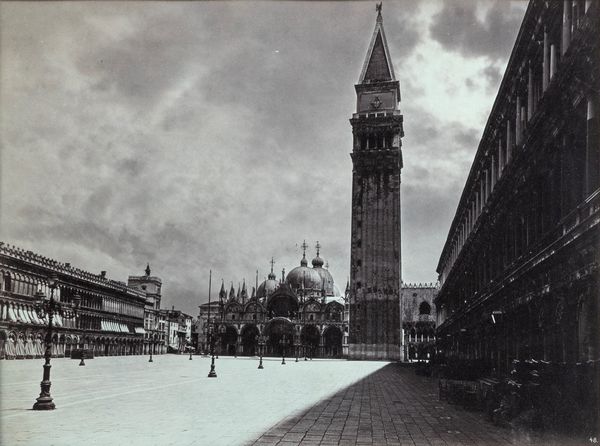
x: 229, y: 341
x: 310, y: 337
x: 274, y: 331
x: 249, y: 342
x: 333, y: 341
x: 282, y: 303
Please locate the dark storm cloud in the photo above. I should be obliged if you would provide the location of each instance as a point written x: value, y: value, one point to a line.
x: 206, y: 135
x: 456, y: 27
x: 467, y: 138
x: 493, y: 76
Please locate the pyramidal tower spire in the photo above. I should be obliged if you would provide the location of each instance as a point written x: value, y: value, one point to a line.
x: 377, y: 66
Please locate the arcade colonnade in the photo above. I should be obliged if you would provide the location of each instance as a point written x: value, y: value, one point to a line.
x: 315, y: 340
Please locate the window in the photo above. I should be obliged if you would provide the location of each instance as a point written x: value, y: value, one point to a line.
x: 424, y: 308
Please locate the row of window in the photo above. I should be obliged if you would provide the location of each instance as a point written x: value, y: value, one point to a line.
x: 540, y: 69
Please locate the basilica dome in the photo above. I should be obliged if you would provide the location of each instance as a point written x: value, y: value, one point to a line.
x: 266, y: 288
x: 326, y: 278
x: 303, y: 275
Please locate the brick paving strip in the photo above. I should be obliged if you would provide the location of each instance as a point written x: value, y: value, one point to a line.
x: 393, y: 406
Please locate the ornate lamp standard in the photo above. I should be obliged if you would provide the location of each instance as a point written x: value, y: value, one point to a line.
x: 261, y: 343
x: 50, y: 307
x: 211, y: 340
x: 283, y: 342
x: 297, y: 342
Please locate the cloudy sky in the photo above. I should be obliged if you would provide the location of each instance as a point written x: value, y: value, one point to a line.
x: 214, y: 135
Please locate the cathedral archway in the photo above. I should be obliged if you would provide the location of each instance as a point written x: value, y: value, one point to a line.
x: 229, y: 340
x: 249, y: 334
x: 282, y: 303
x: 310, y: 337
x: 333, y: 341
x: 274, y: 332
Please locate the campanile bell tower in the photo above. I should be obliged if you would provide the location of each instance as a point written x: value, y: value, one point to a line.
x: 375, y: 259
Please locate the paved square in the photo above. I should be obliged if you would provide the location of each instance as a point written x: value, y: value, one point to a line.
x: 393, y: 406
x: 126, y: 400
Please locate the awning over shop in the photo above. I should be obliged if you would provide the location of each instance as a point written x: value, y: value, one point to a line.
x: 114, y: 326
x: 140, y: 330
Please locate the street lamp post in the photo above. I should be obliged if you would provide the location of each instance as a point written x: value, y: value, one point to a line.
x: 49, y: 307
x: 297, y: 341
x: 212, y: 373
x: 150, y: 360
x: 261, y: 344
x: 82, y: 362
x: 283, y: 342
x: 304, y: 346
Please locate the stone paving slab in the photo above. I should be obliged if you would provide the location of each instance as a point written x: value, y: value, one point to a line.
x: 393, y: 406
x: 128, y: 401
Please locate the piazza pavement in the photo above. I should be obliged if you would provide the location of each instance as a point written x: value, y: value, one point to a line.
x: 129, y: 401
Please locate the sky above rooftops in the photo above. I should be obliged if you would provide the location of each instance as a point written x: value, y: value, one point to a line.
x: 214, y: 135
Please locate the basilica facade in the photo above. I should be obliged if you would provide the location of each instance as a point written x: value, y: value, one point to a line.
x: 302, y: 312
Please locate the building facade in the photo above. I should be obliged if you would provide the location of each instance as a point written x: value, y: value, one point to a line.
x: 177, y: 329
x: 375, y: 263
x: 519, y: 270
x: 305, y: 306
x: 155, y: 340
x: 418, y: 321
x: 110, y: 321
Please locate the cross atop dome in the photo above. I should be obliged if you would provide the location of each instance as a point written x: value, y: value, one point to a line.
x: 318, y: 246
x: 272, y: 274
x: 303, y: 262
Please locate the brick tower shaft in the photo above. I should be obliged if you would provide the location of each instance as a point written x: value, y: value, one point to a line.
x: 375, y: 276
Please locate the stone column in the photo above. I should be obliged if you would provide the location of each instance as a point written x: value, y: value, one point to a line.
x: 592, y: 165
x: 553, y: 61
x: 546, y: 62
x: 494, y: 172
x: 500, y: 158
x: 566, y: 25
x: 518, y: 122
x: 508, y: 141
x: 529, y: 94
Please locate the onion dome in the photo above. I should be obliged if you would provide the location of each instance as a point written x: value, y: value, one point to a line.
x: 266, y: 288
x: 326, y: 278
x: 304, y: 277
x: 317, y: 262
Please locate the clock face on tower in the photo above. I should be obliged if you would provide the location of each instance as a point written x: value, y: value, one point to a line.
x: 374, y: 101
